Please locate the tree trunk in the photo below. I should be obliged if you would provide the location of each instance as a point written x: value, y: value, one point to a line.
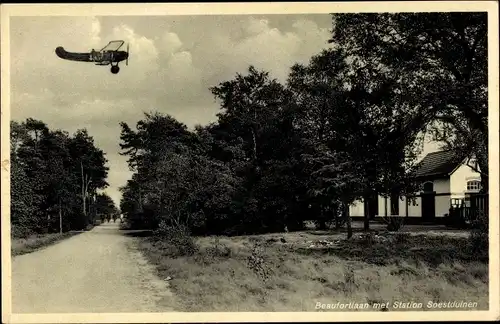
x: 483, y: 165
x: 60, y: 217
x: 83, y: 190
x: 335, y: 215
x: 254, y: 145
x: 485, y: 183
x: 140, y: 200
x: 321, y: 220
x: 348, y: 220
x: 349, y: 227
x: 366, y: 208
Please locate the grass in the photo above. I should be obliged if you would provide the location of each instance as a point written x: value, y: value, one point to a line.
x: 20, y: 246
x: 263, y: 273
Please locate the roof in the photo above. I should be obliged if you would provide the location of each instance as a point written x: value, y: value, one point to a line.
x: 438, y: 164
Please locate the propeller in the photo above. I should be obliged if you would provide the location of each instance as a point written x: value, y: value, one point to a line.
x: 126, y: 62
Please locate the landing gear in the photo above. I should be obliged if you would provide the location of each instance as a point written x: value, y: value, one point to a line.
x: 115, y: 69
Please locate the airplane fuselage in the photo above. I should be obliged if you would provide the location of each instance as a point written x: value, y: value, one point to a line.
x: 108, y: 57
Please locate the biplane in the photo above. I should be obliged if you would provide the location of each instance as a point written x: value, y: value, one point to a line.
x: 108, y: 55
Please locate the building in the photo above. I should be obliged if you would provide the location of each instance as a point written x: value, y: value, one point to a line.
x: 444, y: 180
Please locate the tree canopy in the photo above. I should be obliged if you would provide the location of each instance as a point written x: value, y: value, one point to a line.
x: 346, y: 126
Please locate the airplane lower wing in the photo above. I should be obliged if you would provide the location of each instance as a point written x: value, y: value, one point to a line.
x: 82, y: 57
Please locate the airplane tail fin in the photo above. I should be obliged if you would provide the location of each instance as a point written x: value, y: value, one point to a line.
x: 61, y: 52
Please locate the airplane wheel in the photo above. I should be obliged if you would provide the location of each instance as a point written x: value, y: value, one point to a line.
x: 115, y: 69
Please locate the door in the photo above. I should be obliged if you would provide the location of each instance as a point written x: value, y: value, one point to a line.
x: 428, y: 202
x: 371, y: 206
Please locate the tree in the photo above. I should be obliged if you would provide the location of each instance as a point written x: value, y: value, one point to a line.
x: 315, y: 89
x: 256, y: 119
x: 158, y: 141
x: 22, y: 200
x: 45, y: 177
x: 361, y: 140
x: 439, y: 59
x: 89, y: 166
x: 104, y: 205
x: 247, y: 103
x: 58, y: 181
x: 235, y: 175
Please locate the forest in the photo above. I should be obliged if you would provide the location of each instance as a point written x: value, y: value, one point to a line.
x: 347, y: 125
x: 55, y: 179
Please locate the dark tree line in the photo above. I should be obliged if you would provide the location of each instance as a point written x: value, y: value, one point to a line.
x: 346, y: 126
x: 54, y: 179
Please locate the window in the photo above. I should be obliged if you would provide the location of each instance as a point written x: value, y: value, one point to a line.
x: 428, y: 187
x: 473, y: 185
x: 457, y: 202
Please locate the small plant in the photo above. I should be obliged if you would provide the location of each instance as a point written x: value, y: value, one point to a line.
x: 394, y: 223
x: 349, y: 280
x: 368, y: 239
x: 479, y: 239
x: 454, y: 219
x: 219, y: 249
x: 402, y: 238
x: 257, y: 263
x: 179, y: 236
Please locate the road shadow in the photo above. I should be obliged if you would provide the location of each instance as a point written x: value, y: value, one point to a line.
x: 137, y: 233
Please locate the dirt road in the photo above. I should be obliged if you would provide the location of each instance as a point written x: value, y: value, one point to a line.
x: 96, y: 271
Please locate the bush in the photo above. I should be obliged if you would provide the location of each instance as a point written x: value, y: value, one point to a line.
x: 179, y: 237
x: 18, y: 231
x: 455, y: 220
x: 402, y: 238
x: 213, y: 254
x: 219, y: 250
x: 394, y: 223
x: 479, y: 238
x: 258, y: 263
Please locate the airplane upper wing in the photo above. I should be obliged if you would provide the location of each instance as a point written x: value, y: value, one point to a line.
x: 113, y: 46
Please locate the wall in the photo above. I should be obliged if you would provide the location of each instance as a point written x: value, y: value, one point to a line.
x: 442, y: 186
x: 414, y: 208
x: 459, y: 178
x: 456, y: 185
x: 382, y: 207
x: 442, y: 203
x: 357, y: 209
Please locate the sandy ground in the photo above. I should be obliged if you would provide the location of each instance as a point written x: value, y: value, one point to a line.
x: 97, y: 271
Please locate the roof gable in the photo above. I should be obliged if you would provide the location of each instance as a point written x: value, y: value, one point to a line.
x: 438, y: 164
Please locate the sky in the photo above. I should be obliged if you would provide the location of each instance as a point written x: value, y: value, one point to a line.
x: 173, y: 62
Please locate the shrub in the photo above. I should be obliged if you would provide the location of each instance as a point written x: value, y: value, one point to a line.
x: 402, y: 238
x: 219, y: 250
x: 349, y: 280
x: 18, y: 231
x: 394, y: 223
x: 179, y: 237
x: 258, y: 263
x: 479, y: 238
x: 455, y: 220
